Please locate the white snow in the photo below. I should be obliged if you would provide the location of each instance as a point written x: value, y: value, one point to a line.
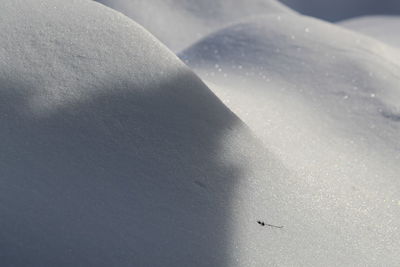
x: 113, y: 152
x: 180, y: 23
x: 383, y: 28
x: 334, y: 10
x: 327, y: 102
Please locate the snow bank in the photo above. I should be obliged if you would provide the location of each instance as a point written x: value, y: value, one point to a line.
x: 327, y: 102
x: 343, y: 9
x: 383, y: 28
x: 180, y: 23
x: 113, y: 153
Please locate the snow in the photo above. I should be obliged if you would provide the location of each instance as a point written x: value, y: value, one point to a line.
x: 180, y: 23
x: 271, y: 140
x: 343, y: 9
x: 383, y: 28
x: 326, y: 101
x: 113, y: 153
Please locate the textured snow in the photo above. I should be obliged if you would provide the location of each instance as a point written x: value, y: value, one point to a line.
x: 115, y: 153
x: 383, y: 28
x: 180, y: 23
x: 326, y: 100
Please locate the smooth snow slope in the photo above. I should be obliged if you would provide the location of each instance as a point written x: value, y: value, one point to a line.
x: 343, y: 9
x: 327, y: 101
x: 383, y: 28
x: 180, y: 23
x: 113, y: 153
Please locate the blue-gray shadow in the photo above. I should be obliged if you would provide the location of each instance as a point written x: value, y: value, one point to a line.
x: 123, y: 178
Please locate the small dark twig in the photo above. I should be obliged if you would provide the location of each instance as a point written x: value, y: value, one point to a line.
x: 270, y: 225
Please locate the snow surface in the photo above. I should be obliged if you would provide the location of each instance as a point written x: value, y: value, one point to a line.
x: 180, y: 23
x: 334, y: 10
x: 115, y: 153
x: 383, y: 28
x: 327, y: 102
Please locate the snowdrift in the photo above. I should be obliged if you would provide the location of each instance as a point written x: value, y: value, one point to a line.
x: 113, y: 153
x: 180, y: 23
x: 383, y: 28
x: 326, y: 100
x: 343, y: 9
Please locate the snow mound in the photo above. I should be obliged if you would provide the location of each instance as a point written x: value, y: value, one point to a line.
x: 180, y: 23
x: 113, y: 153
x: 326, y: 101
x: 343, y: 9
x: 383, y: 28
